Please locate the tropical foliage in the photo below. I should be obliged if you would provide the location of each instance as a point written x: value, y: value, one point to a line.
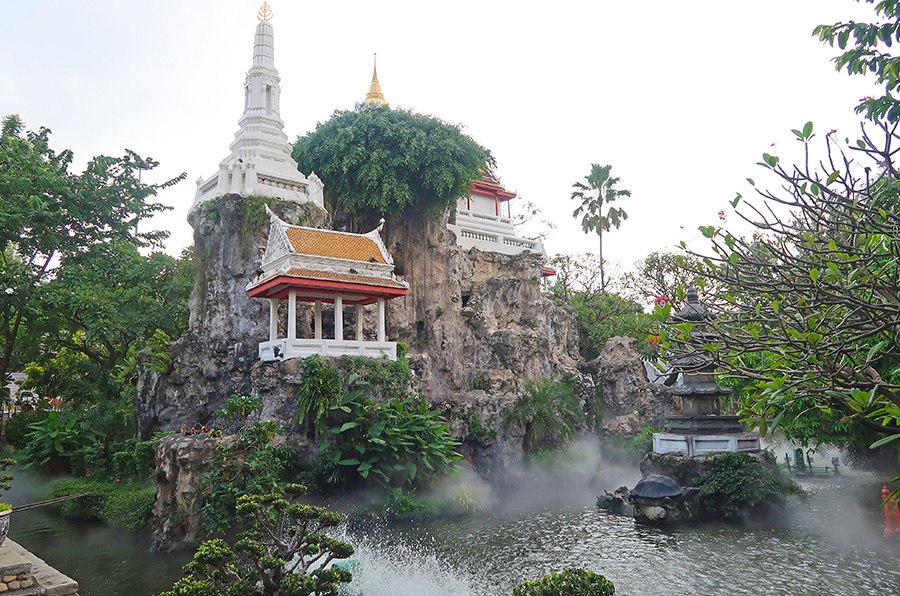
x: 549, y: 411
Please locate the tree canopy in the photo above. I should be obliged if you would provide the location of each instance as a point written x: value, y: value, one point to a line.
x: 811, y: 305
x: 378, y: 161
x: 50, y: 215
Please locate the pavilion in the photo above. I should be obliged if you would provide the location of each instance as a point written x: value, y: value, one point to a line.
x: 325, y: 267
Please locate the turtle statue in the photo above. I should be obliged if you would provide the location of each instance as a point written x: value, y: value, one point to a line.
x: 659, y: 499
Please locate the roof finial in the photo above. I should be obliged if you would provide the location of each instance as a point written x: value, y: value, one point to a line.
x: 265, y: 12
x: 375, y: 96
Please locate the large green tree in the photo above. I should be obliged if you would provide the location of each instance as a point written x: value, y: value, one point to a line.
x: 811, y: 306
x: 597, y: 193
x: 50, y: 215
x: 376, y: 161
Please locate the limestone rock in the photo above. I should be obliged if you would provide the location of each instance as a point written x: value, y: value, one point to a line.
x: 629, y: 400
x: 180, y: 461
x: 213, y: 360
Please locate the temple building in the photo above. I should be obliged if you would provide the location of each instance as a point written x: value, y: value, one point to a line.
x: 260, y: 161
x: 325, y: 267
x: 483, y: 220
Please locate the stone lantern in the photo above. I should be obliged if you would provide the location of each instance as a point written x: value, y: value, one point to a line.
x: 700, y: 429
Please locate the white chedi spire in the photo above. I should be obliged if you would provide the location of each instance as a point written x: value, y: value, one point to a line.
x: 260, y: 161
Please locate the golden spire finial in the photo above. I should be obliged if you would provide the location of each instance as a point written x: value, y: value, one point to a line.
x: 265, y: 12
x: 375, y: 95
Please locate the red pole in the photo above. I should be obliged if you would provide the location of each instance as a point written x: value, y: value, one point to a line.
x: 896, y: 512
x: 888, y: 530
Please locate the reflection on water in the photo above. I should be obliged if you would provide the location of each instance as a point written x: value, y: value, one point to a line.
x: 104, y: 561
x: 831, y: 544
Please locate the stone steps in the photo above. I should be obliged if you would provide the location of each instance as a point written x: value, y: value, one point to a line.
x: 18, y: 566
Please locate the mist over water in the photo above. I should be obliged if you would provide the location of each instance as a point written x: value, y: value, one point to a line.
x: 545, y: 519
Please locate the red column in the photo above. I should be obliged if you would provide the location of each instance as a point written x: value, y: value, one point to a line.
x: 888, y: 529
x: 496, y: 206
x: 508, y: 209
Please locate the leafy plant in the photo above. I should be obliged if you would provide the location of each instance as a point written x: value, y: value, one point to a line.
x: 318, y: 391
x: 285, y: 551
x: 572, y: 581
x: 58, y: 436
x: 395, y: 442
x: 740, y: 487
x: 549, y: 411
x: 240, y: 407
x: 250, y: 464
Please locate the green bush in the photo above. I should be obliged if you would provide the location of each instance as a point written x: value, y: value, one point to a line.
x: 318, y: 391
x: 120, y: 505
x: 129, y: 460
x: 572, y: 581
x: 550, y: 412
x: 54, y: 439
x: 17, y: 427
x: 396, y: 442
x: 740, y: 487
x: 628, y: 449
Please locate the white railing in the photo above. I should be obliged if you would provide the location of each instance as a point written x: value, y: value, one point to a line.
x: 283, y: 349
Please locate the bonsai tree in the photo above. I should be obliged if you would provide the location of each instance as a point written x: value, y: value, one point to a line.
x: 5, y: 480
x: 283, y: 552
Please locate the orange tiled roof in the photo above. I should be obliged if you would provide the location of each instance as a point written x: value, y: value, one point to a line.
x: 325, y: 243
x: 345, y: 277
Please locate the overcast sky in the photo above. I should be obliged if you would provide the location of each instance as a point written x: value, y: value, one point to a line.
x: 680, y: 97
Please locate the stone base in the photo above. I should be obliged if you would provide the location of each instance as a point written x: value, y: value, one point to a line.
x: 705, y: 444
x: 655, y: 515
x: 686, y: 470
x: 23, y: 574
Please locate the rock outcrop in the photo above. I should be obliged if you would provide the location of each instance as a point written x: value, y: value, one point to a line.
x: 180, y: 461
x: 629, y: 400
x: 214, y: 359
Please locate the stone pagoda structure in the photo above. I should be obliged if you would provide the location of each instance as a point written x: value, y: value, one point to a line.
x: 325, y: 267
x: 260, y: 161
x: 700, y: 429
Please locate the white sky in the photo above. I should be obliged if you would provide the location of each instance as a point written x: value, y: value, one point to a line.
x: 680, y: 97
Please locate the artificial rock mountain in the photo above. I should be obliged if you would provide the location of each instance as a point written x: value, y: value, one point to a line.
x: 476, y: 322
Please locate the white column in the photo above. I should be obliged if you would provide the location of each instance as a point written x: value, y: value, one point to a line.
x: 359, y: 322
x: 338, y: 318
x: 381, y: 319
x: 292, y: 315
x: 273, y: 319
x: 317, y: 309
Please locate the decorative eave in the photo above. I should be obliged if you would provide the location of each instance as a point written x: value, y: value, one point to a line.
x: 490, y: 186
x: 317, y: 262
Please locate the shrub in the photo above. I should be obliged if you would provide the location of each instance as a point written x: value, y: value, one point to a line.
x: 318, y: 391
x: 572, y: 581
x: 53, y: 440
x: 628, y: 449
x: 396, y: 442
x: 550, y: 412
x: 119, y: 505
x: 17, y: 427
x: 740, y: 487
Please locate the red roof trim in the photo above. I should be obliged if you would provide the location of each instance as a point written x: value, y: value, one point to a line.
x: 279, y: 287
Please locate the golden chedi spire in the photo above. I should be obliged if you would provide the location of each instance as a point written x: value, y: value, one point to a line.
x: 375, y: 96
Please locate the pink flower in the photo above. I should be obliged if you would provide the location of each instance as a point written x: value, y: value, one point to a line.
x: 653, y: 342
x: 866, y: 98
x: 722, y: 215
x: 832, y: 132
x: 659, y: 301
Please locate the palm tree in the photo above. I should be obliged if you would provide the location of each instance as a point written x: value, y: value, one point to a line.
x: 599, y: 189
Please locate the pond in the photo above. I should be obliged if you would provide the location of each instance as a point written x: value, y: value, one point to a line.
x: 831, y: 543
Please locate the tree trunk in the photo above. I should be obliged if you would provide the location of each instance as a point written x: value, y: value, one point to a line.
x: 602, y: 276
